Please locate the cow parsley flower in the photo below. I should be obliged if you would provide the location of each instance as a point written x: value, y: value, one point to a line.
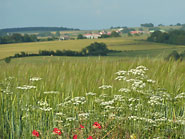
x: 26, y: 87
x: 35, y: 79
x: 51, y: 92
x: 90, y: 94
x: 105, y: 87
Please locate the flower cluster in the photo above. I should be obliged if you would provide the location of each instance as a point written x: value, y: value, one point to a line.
x: 35, y: 79
x: 26, y: 87
x: 90, y: 94
x: 35, y: 133
x: 97, y: 125
x: 51, y: 92
x: 105, y: 87
x: 57, y: 131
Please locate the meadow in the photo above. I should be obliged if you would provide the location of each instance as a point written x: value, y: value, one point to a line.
x: 92, y: 97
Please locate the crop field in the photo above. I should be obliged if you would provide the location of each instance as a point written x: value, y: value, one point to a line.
x: 92, y: 97
x: 133, y: 94
x: 130, y: 47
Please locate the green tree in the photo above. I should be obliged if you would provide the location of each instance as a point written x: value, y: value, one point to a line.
x: 17, y: 38
x: 127, y: 30
x: 27, y: 38
x: 57, y: 33
x: 173, y: 56
x: 129, y: 34
x: 105, y: 36
x: 114, y: 34
x: 178, y: 24
x: 147, y: 25
x: 96, y: 49
x: 7, y: 60
x: 80, y: 36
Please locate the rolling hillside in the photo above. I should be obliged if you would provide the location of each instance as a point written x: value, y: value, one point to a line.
x: 130, y: 47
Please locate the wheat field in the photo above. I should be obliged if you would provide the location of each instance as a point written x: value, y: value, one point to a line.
x: 128, y: 98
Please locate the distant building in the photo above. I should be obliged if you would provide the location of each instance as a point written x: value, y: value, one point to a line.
x: 103, y: 32
x: 64, y: 38
x: 136, y: 32
x: 151, y: 31
x: 120, y: 29
x: 108, y: 33
x: 92, y: 36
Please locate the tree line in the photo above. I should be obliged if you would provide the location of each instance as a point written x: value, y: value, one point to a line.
x: 36, y: 29
x: 17, y: 38
x: 172, y: 37
x: 94, y: 49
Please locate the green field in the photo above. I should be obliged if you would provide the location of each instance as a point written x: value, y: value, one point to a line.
x: 61, y: 99
x: 134, y: 94
x: 131, y: 47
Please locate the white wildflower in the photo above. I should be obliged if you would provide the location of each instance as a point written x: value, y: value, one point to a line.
x: 42, y: 103
x: 98, y: 100
x: 155, y: 100
x: 121, y: 72
x: 78, y: 100
x: 151, y: 81
x: 109, y: 107
x: 142, y: 67
x: 26, y: 87
x: 45, y: 109
x: 121, y: 78
x: 51, y: 92
x: 105, y: 87
x: 84, y: 115
x: 35, y: 79
x: 180, y: 96
x: 107, y: 102
x: 70, y: 118
x: 118, y: 98
x: 90, y: 94
x: 126, y: 90
x: 59, y: 114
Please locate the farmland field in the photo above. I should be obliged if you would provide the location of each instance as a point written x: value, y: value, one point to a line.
x: 128, y: 97
x: 133, y: 94
x: 130, y: 47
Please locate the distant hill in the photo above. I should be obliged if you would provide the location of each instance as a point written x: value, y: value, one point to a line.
x: 35, y: 29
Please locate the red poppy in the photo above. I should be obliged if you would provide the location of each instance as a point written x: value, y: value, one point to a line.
x: 57, y: 131
x: 97, y: 125
x: 35, y: 133
x: 81, y: 126
x: 90, y: 137
x: 75, y: 137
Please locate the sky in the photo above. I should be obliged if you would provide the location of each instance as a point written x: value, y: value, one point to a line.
x: 90, y: 14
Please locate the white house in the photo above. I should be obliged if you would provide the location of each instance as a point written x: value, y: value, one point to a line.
x: 92, y: 36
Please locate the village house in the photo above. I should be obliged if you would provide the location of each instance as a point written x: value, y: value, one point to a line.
x: 92, y: 36
x: 136, y: 32
x: 103, y: 32
x: 64, y: 38
x: 108, y: 33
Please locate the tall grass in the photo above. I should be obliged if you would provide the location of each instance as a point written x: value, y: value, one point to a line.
x: 130, y: 116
